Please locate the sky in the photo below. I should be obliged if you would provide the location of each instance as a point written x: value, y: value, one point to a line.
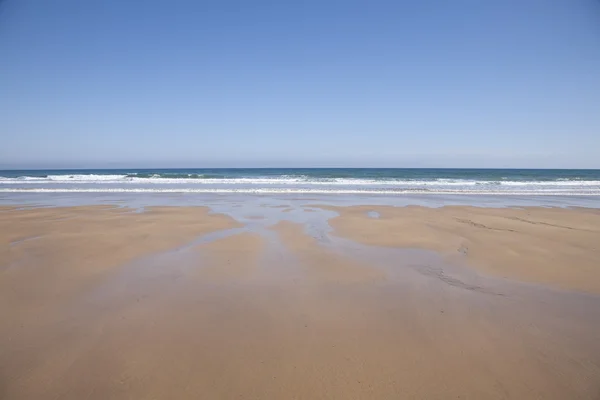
x: 182, y: 83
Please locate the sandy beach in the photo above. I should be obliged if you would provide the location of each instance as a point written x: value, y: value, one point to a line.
x: 314, y: 302
x: 299, y: 200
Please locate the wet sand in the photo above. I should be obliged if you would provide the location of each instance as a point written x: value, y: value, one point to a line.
x: 176, y: 302
x: 553, y: 246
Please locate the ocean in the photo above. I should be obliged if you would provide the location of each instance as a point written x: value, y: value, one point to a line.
x: 388, y: 181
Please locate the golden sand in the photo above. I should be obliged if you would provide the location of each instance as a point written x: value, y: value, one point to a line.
x: 553, y: 246
x: 104, y: 303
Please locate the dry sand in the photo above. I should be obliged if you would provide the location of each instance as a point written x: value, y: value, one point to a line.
x: 102, y: 303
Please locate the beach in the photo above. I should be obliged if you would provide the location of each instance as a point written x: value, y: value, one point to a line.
x: 299, y: 200
x: 298, y: 299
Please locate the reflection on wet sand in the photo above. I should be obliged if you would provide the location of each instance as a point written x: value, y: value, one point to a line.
x: 271, y: 303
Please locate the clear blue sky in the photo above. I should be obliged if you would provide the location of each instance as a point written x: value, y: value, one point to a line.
x: 461, y: 83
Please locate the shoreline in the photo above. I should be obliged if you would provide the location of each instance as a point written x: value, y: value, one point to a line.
x: 214, y: 200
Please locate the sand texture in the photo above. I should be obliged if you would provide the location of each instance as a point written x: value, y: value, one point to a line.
x: 553, y: 246
x: 180, y: 303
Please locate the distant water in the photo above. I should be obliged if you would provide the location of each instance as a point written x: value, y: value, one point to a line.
x: 302, y: 180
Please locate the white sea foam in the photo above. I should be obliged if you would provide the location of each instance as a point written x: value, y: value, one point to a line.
x: 285, y: 180
x: 295, y: 184
x: 65, y: 178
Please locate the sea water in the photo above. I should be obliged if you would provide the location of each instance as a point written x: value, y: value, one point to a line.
x: 366, y: 181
